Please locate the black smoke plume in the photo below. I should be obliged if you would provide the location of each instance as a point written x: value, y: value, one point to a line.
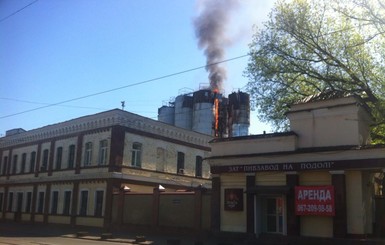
x: 210, y: 29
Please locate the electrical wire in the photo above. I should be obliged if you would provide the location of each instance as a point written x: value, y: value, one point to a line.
x: 123, y: 87
x: 17, y: 11
x: 41, y: 103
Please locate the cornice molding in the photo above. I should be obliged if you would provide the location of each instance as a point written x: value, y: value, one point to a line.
x: 105, y: 120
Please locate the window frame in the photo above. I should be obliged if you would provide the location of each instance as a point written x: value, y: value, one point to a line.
x: 136, y: 154
x: 14, y: 164
x: 10, y: 201
x: 198, y: 166
x: 44, y: 161
x: 98, y: 208
x: 23, y: 163
x: 103, y: 152
x: 67, y: 206
x: 180, y: 162
x: 59, y: 158
x: 28, y: 202
x: 71, y: 156
x: 83, y: 203
x: 32, y: 162
x: 88, y: 153
x: 54, y: 202
x: 40, y: 202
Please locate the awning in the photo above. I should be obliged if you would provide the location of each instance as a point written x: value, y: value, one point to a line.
x: 266, y: 190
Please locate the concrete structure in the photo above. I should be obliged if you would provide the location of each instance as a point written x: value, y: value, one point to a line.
x: 209, y: 112
x: 67, y: 172
x: 322, y: 179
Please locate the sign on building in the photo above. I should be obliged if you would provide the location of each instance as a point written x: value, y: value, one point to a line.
x: 233, y: 199
x: 314, y: 200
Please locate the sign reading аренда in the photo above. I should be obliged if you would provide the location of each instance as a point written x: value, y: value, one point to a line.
x: 314, y: 200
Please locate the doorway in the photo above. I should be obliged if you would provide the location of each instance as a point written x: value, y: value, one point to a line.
x: 270, y: 215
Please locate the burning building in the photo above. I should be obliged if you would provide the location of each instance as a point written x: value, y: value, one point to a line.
x: 209, y: 112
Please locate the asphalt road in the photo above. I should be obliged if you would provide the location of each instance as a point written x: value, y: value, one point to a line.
x: 48, y: 241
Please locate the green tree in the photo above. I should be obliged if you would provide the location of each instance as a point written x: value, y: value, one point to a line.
x: 308, y: 47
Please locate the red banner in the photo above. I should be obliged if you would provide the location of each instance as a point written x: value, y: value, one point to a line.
x: 314, y: 200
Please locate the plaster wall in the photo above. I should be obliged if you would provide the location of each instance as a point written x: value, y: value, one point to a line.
x: 65, y: 144
x: 92, y: 187
x: 261, y: 145
x: 233, y: 221
x: 90, y: 221
x: 95, y: 139
x: 321, y: 226
x: 270, y: 179
x: 359, y: 202
x: 56, y: 219
x: 159, y: 155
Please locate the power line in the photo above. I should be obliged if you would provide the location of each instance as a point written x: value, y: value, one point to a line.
x: 41, y: 103
x: 123, y: 87
x: 17, y: 11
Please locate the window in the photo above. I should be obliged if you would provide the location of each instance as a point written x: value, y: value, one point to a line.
x: 44, y: 164
x: 59, y: 154
x: 88, y: 154
x: 10, y: 202
x: 83, y: 203
x: 273, y: 215
x: 198, y: 166
x: 19, y: 203
x: 40, y: 203
x: 54, y: 202
x: 23, y: 162
x: 136, y: 160
x: 99, y: 203
x: 14, y: 164
x: 67, y: 203
x: 1, y: 201
x: 103, y: 150
x: 71, y: 156
x: 32, y: 162
x: 5, y: 163
x: 180, y: 163
x: 28, y: 203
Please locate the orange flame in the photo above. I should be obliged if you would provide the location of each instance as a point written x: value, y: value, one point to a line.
x: 216, y: 113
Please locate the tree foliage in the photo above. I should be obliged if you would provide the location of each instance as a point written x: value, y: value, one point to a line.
x: 311, y: 46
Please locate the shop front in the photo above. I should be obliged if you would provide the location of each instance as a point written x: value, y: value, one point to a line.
x: 306, y: 183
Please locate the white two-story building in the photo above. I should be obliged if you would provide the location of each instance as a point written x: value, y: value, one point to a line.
x: 67, y: 172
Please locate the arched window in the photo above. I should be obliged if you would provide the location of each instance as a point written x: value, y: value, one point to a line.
x: 32, y: 162
x: 59, y: 155
x: 103, y: 152
x: 44, y: 164
x: 136, y: 157
x: 180, y: 163
x: 23, y: 162
x: 88, y: 154
x: 198, y: 166
x: 71, y: 156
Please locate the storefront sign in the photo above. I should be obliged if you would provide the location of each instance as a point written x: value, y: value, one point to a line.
x: 299, y: 166
x: 234, y: 199
x: 314, y: 200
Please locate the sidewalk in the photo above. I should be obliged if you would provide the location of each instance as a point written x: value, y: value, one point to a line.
x: 150, y: 237
x: 10, y: 228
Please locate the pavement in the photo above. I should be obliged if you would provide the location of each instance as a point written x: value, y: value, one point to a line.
x: 125, y: 235
x: 121, y: 236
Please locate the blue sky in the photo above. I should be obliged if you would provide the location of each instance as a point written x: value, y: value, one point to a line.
x: 59, y: 50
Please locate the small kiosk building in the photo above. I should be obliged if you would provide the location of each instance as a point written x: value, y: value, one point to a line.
x: 321, y: 179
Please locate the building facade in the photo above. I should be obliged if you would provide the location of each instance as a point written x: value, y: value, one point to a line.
x: 322, y: 179
x: 67, y: 172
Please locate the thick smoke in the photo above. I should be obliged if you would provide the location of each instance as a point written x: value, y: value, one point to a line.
x: 210, y: 29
